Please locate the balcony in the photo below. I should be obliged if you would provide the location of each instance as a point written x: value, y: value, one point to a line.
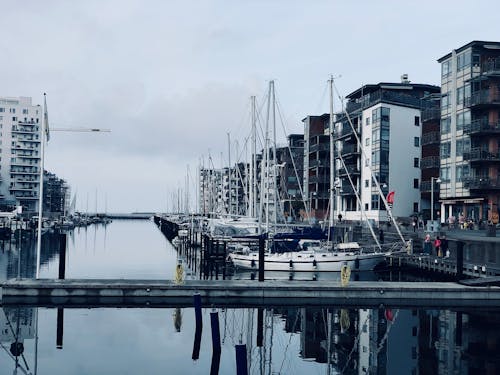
x: 346, y: 131
x: 425, y: 187
x: 482, y: 127
x: 23, y: 130
x: 482, y: 183
x: 481, y: 155
x: 349, y: 150
x: 319, y: 180
x: 319, y: 147
x: 351, y: 170
x: 483, y: 98
x: 429, y: 114
x: 430, y: 162
x: 431, y: 138
x: 491, y: 67
x: 347, y: 190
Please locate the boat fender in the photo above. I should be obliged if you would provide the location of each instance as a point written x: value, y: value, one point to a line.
x: 315, y: 264
x: 291, y: 264
x: 253, y: 263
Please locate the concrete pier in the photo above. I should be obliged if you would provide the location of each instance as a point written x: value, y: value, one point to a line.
x: 241, y: 293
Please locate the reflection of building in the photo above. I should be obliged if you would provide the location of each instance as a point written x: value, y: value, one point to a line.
x: 17, y: 322
x: 470, y: 130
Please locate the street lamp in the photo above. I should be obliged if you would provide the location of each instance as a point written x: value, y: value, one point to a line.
x: 313, y: 194
x: 438, y: 180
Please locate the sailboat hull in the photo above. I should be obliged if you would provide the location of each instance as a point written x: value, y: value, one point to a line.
x: 309, y: 261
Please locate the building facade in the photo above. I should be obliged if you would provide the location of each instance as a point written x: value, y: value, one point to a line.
x: 386, y: 121
x: 20, y: 135
x: 470, y: 132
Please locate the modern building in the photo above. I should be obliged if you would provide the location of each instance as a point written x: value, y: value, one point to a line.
x: 470, y: 131
x: 55, y: 195
x: 317, y: 166
x: 20, y: 127
x: 384, y: 118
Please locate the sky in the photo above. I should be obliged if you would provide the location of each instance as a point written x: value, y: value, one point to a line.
x: 170, y: 79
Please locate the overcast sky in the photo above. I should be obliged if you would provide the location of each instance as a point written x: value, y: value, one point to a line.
x: 171, y: 78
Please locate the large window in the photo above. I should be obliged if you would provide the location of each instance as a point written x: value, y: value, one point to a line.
x: 445, y: 174
x: 445, y: 150
x: 445, y: 69
x: 464, y: 60
x: 375, y: 201
x: 416, y: 163
x: 463, y: 94
x: 463, y: 119
x: 445, y: 125
x: 462, y: 172
x: 416, y: 141
x: 445, y: 101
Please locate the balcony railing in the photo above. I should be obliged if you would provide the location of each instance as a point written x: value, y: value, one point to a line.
x: 384, y: 96
x: 345, y: 131
x: 430, y: 138
x: 482, y: 127
x: 350, y: 169
x: 481, y: 155
x: 431, y: 114
x: 430, y: 162
x: 319, y: 147
x: 491, y: 66
x: 482, y: 183
x: 349, y: 149
x: 425, y: 186
x: 483, y: 97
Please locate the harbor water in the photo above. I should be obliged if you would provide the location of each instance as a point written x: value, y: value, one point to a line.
x: 174, y: 340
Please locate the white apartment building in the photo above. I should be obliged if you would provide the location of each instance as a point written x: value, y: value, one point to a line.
x: 387, y: 120
x: 20, y: 127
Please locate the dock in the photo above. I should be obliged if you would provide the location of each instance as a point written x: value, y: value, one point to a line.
x: 245, y: 293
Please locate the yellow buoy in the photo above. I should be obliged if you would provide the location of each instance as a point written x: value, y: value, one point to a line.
x: 179, y: 274
x: 345, y: 275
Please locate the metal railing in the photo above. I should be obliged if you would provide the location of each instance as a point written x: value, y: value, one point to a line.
x: 482, y: 126
x: 430, y: 162
x: 431, y: 137
x: 479, y: 154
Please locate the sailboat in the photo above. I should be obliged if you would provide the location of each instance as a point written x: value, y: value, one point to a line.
x: 331, y: 257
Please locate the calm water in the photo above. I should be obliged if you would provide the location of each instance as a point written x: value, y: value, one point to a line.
x: 158, y: 341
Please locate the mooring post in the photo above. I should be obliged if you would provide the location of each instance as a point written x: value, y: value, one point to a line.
x: 260, y: 327
x: 261, y: 257
x: 62, y: 256
x: 60, y: 328
x: 241, y: 359
x: 216, y: 346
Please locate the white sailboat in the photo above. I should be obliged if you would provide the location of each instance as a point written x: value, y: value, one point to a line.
x: 325, y: 258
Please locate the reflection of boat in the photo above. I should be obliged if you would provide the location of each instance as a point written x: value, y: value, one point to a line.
x: 350, y: 254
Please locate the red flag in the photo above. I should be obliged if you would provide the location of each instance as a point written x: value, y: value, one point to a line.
x: 389, y: 315
x: 390, y: 197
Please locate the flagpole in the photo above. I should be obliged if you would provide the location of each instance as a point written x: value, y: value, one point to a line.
x: 40, y: 197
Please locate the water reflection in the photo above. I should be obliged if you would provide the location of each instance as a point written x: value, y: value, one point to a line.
x: 275, y: 340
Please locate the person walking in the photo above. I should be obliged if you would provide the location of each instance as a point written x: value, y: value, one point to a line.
x: 437, y: 245
x: 414, y: 223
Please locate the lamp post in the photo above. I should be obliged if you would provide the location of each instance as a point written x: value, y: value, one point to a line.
x: 313, y: 194
x: 438, y: 180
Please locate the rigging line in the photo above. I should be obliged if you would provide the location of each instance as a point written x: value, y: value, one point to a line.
x: 322, y: 98
x: 388, y: 210
x: 293, y: 163
x: 13, y: 358
x: 358, y: 198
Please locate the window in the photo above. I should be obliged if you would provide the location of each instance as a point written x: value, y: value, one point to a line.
x: 14, y: 118
x: 375, y: 136
x: 367, y: 121
x: 445, y: 125
x: 366, y: 207
x: 417, y: 120
x: 25, y: 111
x: 445, y: 150
x: 2, y: 109
x: 12, y: 110
x: 463, y: 94
x: 415, y: 206
x: 463, y: 119
x: 367, y: 141
x: 460, y: 147
x: 445, y: 101
x: 445, y: 68
x: 367, y: 183
x: 416, y: 163
x: 416, y: 141
x: 367, y: 162
x: 375, y: 200
x: 462, y: 173
x: 464, y: 60
x: 445, y: 174
x: 415, y: 183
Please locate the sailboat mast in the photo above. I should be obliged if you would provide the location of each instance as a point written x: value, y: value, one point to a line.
x: 274, y: 170
x: 332, y: 158
x: 230, y: 210
x: 265, y: 177
x: 253, y: 163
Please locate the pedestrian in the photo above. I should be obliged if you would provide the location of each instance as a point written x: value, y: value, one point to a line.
x: 427, y: 244
x: 414, y: 223
x: 437, y: 246
x: 444, y: 247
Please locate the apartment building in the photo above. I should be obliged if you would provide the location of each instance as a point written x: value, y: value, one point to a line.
x: 317, y: 165
x: 387, y: 119
x: 470, y: 132
x: 20, y: 127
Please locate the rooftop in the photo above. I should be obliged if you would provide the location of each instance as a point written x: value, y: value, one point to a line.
x: 475, y: 43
